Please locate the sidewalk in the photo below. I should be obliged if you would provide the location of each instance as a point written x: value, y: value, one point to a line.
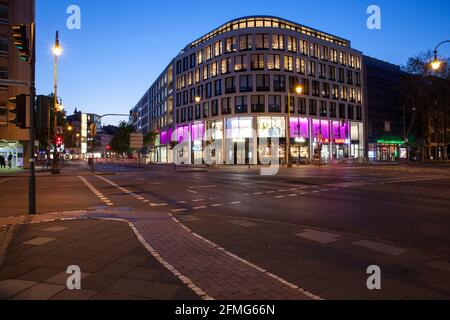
x: 114, y: 264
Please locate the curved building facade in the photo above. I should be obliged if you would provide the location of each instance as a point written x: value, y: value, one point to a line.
x: 240, y: 80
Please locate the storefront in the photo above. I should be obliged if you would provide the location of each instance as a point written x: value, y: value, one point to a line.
x: 388, y: 150
x: 341, y: 140
x: 300, y: 139
x: 13, y: 148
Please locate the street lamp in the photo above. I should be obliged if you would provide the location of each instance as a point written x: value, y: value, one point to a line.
x: 436, y: 64
x: 299, y: 90
x: 57, y: 51
x: 198, y: 99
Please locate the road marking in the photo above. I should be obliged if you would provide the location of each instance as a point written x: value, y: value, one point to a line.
x: 381, y: 247
x: 203, y: 187
x: 181, y: 202
x: 292, y: 195
x: 199, y: 208
x: 2, y: 181
x: 279, y: 197
x: 258, y: 193
x: 96, y: 192
x: 158, y: 204
x: 243, y: 223
x: 192, y: 191
x: 180, y: 210
x: 282, y: 190
x: 270, y: 192
x: 319, y: 236
x: 235, y: 202
x: 198, y: 200
x: 217, y: 205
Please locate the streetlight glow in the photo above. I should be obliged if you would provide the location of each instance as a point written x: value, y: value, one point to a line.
x: 198, y: 99
x: 436, y: 64
x: 299, y: 89
x: 57, y: 50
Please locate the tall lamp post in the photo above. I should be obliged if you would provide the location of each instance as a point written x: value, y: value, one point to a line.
x: 57, y: 51
x: 299, y: 90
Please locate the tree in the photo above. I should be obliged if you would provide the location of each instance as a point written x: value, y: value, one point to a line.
x: 150, y: 139
x: 121, y: 140
x: 426, y: 95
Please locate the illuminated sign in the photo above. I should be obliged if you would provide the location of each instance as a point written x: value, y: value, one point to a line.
x: 340, y: 141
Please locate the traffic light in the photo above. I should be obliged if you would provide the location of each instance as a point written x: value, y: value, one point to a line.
x: 43, y: 112
x: 21, y: 41
x: 20, y: 110
x: 59, y: 141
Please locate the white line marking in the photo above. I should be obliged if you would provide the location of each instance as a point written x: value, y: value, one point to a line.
x: 235, y: 202
x: 198, y: 200
x: 292, y: 195
x: 96, y: 192
x: 279, y: 197
x: 319, y: 236
x: 192, y: 191
x: 181, y: 202
x: 199, y: 208
x: 179, y: 210
x: 381, y: 247
x: 217, y: 205
x: 158, y: 204
x: 203, y: 187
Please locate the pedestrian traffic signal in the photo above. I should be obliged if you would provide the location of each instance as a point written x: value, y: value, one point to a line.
x: 21, y: 41
x: 19, y: 110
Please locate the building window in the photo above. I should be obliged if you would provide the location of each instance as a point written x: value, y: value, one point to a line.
x: 358, y: 113
x: 300, y: 65
x: 226, y: 106
x: 292, y: 44
x: 279, y: 83
x: 245, y: 42
x: 230, y: 85
x: 323, y: 109
x: 334, y: 56
x: 289, y: 63
x: 273, y: 61
x: 324, y: 53
x: 314, y: 50
x: 342, y: 114
x: 313, y: 107
x: 205, y: 110
x: 214, y: 70
x: 341, y: 75
x: 190, y: 113
x: 344, y: 93
x: 258, y: 104
x: 325, y: 90
x: 241, y: 104
x: 198, y: 112
x: 262, y: 41
x: 305, y: 85
x: 322, y: 71
x: 316, y: 88
x: 343, y: 58
x: 257, y: 61
x: 278, y: 42
x: 350, y: 112
x: 206, y: 72
x: 215, y: 108
x: 275, y: 104
x: 230, y: 44
x: 192, y: 60
x: 218, y: 48
x: 349, y: 77
x: 333, y: 109
x: 240, y: 63
x: 332, y: 73
x: 3, y: 113
x: 218, y: 87
x: 304, y: 47
x: 199, y: 57
x: 208, y: 90
x: 302, y: 105
x: 335, y: 92
x: 262, y: 82
x: 291, y: 103
x: 311, y: 68
x: 246, y: 83
x: 226, y: 65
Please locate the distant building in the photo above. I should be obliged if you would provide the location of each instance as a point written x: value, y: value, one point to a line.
x: 12, y: 139
x: 235, y: 81
x: 385, y: 112
x: 83, y: 133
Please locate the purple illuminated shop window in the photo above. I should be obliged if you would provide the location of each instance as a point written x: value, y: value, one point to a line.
x: 198, y: 131
x: 169, y: 135
x: 321, y: 127
x: 340, y: 130
x: 299, y: 128
x: 163, y: 138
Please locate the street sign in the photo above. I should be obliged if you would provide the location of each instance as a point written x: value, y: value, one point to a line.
x: 136, y: 140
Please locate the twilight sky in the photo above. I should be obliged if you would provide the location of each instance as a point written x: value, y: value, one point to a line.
x: 124, y: 45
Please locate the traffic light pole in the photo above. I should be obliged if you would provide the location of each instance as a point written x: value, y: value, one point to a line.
x: 32, y: 179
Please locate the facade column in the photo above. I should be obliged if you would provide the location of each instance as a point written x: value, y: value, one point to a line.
x: 255, y: 140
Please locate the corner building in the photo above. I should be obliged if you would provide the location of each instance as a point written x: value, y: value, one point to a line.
x: 239, y: 77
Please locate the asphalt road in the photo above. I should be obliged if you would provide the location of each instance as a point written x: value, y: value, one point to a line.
x: 320, y: 228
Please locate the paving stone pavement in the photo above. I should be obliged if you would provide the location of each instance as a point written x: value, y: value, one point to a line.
x: 114, y: 264
x: 207, y: 269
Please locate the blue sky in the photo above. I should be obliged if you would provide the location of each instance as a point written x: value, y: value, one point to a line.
x: 124, y: 45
